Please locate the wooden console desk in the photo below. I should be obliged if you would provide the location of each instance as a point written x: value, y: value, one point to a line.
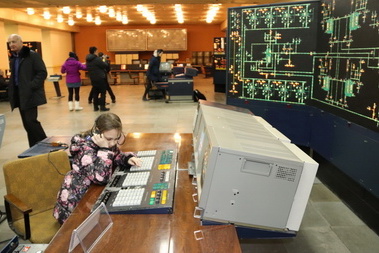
x: 148, y: 233
x: 118, y: 75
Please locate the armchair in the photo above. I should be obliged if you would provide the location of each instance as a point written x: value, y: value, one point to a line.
x: 32, y: 185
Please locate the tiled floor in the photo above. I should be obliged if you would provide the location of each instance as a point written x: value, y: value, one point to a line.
x: 328, y: 224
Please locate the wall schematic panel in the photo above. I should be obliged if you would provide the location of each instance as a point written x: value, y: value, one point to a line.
x: 123, y: 40
x: 167, y: 39
x: 320, y: 53
x: 348, y: 66
x: 270, y: 52
x: 126, y: 40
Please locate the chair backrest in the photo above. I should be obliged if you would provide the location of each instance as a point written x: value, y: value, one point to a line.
x: 36, y: 180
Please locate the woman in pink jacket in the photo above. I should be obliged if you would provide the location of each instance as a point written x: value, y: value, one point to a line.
x: 73, y: 81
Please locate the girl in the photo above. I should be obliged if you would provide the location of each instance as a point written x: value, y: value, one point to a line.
x: 73, y: 80
x: 95, y: 155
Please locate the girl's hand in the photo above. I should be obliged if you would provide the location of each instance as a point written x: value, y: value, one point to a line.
x: 100, y: 141
x: 134, y: 161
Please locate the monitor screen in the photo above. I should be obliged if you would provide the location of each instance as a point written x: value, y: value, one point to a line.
x: 165, y: 67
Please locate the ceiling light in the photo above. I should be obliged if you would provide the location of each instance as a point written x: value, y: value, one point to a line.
x: 89, y: 17
x: 118, y: 16
x: 179, y: 13
x: 111, y: 12
x: 150, y: 16
x: 59, y: 18
x: 70, y: 21
x: 30, y: 11
x: 212, y: 12
x: 78, y: 13
x: 139, y: 7
x: 125, y: 20
x: 103, y: 8
x: 46, y: 14
x: 97, y: 20
x: 66, y: 10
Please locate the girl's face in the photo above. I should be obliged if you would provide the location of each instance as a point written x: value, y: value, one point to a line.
x: 113, y: 137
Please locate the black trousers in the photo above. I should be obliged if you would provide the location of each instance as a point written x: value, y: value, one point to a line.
x: 71, y: 92
x: 148, y: 86
x: 109, y: 89
x: 32, y: 126
x: 98, y: 95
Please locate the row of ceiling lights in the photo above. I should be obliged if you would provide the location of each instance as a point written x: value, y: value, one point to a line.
x: 119, y: 14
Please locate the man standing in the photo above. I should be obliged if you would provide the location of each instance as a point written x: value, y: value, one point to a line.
x: 26, y: 88
x: 96, y: 71
x: 152, y: 73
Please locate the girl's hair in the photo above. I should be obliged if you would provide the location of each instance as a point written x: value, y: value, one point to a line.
x: 104, y: 122
x: 73, y: 55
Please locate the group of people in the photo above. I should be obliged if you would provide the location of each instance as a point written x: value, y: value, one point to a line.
x: 28, y: 72
x: 96, y: 152
x: 98, y: 67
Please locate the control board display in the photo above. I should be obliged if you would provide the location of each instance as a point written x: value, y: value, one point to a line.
x: 146, y: 189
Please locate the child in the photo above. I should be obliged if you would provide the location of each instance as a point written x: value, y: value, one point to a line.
x: 95, y: 155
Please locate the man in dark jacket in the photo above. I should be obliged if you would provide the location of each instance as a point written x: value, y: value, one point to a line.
x: 26, y: 88
x: 152, y: 73
x: 97, y: 74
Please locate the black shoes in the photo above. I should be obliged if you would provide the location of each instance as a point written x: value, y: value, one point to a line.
x: 104, y: 109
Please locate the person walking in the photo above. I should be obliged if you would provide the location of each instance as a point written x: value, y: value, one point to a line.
x: 152, y: 73
x: 73, y: 81
x: 105, y: 59
x: 96, y: 71
x: 27, y: 86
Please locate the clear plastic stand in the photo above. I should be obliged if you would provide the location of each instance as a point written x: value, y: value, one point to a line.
x: 91, y: 230
x: 224, y: 236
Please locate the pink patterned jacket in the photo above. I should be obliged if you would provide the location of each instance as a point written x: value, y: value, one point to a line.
x: 90, y: 164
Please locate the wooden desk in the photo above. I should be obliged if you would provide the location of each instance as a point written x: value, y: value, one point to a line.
x: 118, y: 74
x: 147, y: 233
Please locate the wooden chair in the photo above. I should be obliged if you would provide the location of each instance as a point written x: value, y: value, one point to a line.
x: 134, y: 76
x: 32, y: 185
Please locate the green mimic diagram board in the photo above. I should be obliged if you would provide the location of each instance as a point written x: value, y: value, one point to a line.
x: 322, y: 53
x: 271, y: 52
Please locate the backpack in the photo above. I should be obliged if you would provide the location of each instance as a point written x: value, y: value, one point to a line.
x: 198, y: 95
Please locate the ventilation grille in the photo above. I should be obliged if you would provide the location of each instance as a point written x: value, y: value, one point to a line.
x: 285, y: 173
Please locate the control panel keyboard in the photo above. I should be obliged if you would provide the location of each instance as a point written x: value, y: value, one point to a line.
x: 142, y: 189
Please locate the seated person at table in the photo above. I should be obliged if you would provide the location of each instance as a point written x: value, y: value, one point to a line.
x: 95, y: 155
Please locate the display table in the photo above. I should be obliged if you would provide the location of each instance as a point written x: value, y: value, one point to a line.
x: 153, y: 232
x: 123, y: 75
x: 49, y: 144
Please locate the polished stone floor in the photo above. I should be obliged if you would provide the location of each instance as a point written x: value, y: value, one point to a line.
x: 329, y: 226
